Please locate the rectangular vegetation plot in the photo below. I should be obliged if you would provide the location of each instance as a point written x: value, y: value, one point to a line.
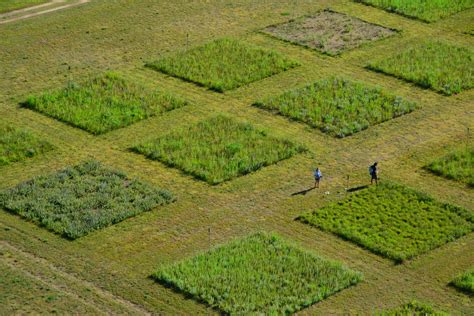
x: 11, y: 5
x: 338, y: 106
x: 218, y: 149
x: 329, y: 32
x: 425, y: 10
x: 260, y: 274
x: 77, y: 200
x: 465, y: 282
x: 223, y: 64
x: 104, y: 103
x: 457, y: 165
x: 393, y: 221
x: 413, y: 308
x: 440, y: 66
x: 18, y: 144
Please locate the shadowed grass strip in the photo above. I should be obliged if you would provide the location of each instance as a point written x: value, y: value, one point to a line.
x: 457, y: 165
x: 413, y: 309
x: 465, y: 281
x: 260, y: 274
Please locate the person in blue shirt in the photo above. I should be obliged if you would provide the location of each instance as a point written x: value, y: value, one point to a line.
x: 373, y: 173
x: 317, y: 177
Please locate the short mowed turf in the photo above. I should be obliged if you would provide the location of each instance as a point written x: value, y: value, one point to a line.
x: 413, y: 309
x: 393, y: 221
x: 465, y: 282
x: 11, y: 5
x: 425, y: 10
x: 77, y: 200
x: 440, y: 66
x: 224, y: 64
x: 218, y: 149
x: 104, y: 103
x: 338, y: 106
x: 260, y: 274
x: 457, y: 165
x: 329, y: 32
x: 18, y: 144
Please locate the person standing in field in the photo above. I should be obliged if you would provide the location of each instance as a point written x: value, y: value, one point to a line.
x: 373, y: 173
x: 317, y: 177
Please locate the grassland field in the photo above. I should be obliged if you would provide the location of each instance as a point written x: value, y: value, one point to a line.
x: 115, y: 263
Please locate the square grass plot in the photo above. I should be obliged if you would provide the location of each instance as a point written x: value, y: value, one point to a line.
x: 258, y: 275
x: 223, y: 64
x: 440, y: 66
x: 104, y: 103
x: 218, y: 149
x: 457, y: 165
x: 393, y: 221
x: 424, y: 10
x: 329, y: 32
x: 18, y: 144
x: 77, y: 200
x: 337, y: 106
x: 465, y: 281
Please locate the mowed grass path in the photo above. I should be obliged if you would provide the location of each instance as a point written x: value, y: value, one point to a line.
x: 260, y: 274
x: 11, y: 5
x: 457, y: 165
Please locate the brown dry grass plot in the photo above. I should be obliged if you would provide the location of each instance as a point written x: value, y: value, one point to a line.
x: 329, y: 32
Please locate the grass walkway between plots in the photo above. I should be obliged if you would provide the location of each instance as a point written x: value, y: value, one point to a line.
x: 425, y: 10
x: 338, y: 106
x: 223, y: 64
x: 392, y: 220
x: 218, y: 149
x: 260, y: 274
x: 104, y: 103
x: 413, y: 309
x: 329, y: 32
x: 11, y: 5
x: 457, y: 165
x: 77, y: 200
x: 465, y: 282
x: 440, y: 66
x: 19, y: 144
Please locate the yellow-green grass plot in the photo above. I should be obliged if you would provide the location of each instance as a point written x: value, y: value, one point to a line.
x: 465, y: 281
x: 224, y: 64
x: 440, y: 66
x: 11, y: 5
x: 80, y: 199
x: 260, y: 274
x: 393, y: 221
x: 18, y: 144
x: 425, y: 10
x: 338, y: 106
x: 413, y: 308
x: 218, y: 149
x: 457, y: 165
x: 104, y: 103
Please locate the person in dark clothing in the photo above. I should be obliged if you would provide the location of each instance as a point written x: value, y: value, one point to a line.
x: 317, y: 177
x: 373, y: 173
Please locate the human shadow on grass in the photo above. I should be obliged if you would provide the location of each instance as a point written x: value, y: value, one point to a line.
x: 355, y: 189
x: 304, y: 192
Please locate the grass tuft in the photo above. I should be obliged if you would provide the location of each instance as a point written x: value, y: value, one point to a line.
x: 465, y: 281
x: 457, y: 165
x: 413, y: 308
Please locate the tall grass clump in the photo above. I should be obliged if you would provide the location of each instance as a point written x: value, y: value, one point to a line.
x: 465, y: 282
x: 413, y: 308
x: 218, y: 149
x: 104, y: 103
x: 425, y: 10
x: 11, y: 5
x: 260, y: 274
x: 17, y: 144
x: 338, y: 106
x: 393, y: 221
x: 77, y: 200
x: 457, y: 165
x: 442, y: 67
x: 224, y: 64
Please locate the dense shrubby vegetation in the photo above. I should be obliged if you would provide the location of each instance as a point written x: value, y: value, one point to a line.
x: 413, y: 309
x: 18, y: 144
x: 261, y: 274
x: 425, y: 10
x: 440, y: 66
x: 218, y: 149
x: 10, y: 5
x: 223, y: 64
x: 103, y: 104
x: 465, y: 281
x: 457, y: 165
x: 338, y: 106
x: 80, y: 199
x: 393, y: 221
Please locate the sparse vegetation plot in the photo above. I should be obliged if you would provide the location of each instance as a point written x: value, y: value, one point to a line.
x: 428, y: 11
x: 465, y: 281
x: 224, y: 64
x: 103, y: 104
x: 338, y: 106
x: 218, y: 149
x: 261, y: 274
x: 18, y: 144
x: 414, y: 309
x: 393, y: 221
x: 329, y: 32
x: 440, y: 66
x: 457, y: 165
x: 11, y: 5
x: 80, y: 199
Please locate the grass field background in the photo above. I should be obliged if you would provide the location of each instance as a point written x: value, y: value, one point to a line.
x: 42, y: 53
x: 10, y: 5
